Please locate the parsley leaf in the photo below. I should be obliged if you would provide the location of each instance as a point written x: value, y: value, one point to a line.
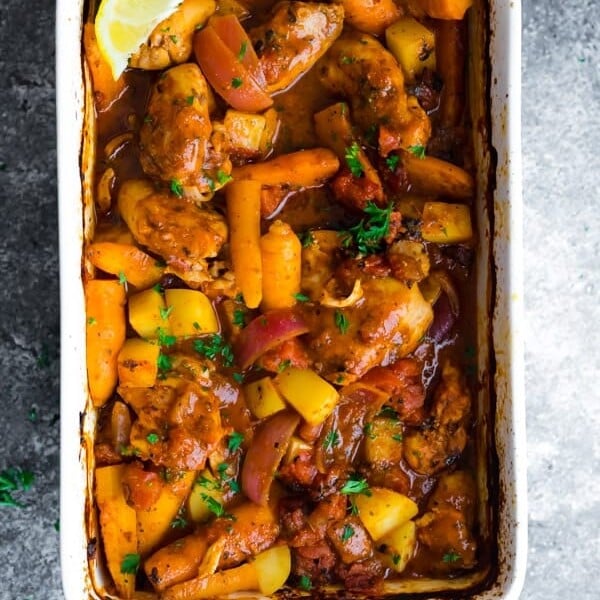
x: 352, y: 159
x: 341, y: 321
x: 130, y: 564
x: 347, y: 533
x: 235, y: 441
x: 238, y: 377
x: 214, y: 346
x: 356, y: 485
x: 392, y: 162
x: 215, y: 507
x: 306, y: 239
x: 304, y: 583
x: 397, y: 437
x: 283, y: 365
x: 242, y: 51
x: 13, y: 480
x: 165, y: 311
x: 122, y: 278
x: 179, y: 521
x: 189, y: 100
x: 239, y: 318
x: 302, y: 297
x: 389, y: 413
x: 153, y: 438
x: 347, y: 60
x: 177, y: 187
x: 164, y: 362
x: 236, y: 82
x: 163, y: 338
x: 369, y: 233
x: 173, y: 38
x: 91, y: 321
x: 418, y: 151
x: 451, y: 557
x: 223, y: 177
x: 368, y: 431
x: 332, y: 439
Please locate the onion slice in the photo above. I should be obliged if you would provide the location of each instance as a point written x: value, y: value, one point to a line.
x: 266, y: 451
x: 266, y: 332
x: 355, y: 295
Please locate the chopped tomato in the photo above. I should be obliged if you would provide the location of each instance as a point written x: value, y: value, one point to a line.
x: 227, y: 59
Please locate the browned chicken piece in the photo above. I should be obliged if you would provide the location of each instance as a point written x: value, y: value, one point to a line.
x: 384, y: 325
x: 171, y: 41
x: 408, y: 260
x: 298, y: 34
x: 350, y: 539
x: 246, y: 531
x: 174, y: 228
x: 176, y: 142
x: 185, y: 419
x: 445, y: 531
x: 432, y: 449
x: 361, y: 70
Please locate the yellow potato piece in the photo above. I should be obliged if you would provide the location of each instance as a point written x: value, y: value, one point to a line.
x: 312, y: 396
x: 413, y: 46
x: 190, y: 313
x: 400, y: 545
x: 384, y: 510
x: 262, y: 398
x: 445, y: 223
x: 148, y: 314
x: 205, y: 486
x: 383, y: 441
x: 137, y: 363
x: 154, y: 523
x: 118, y: 526
x: 273, y: 567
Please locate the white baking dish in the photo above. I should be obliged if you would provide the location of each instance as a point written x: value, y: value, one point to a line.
x: 499, y: 291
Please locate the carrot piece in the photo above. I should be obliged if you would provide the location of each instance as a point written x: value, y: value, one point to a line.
x: 281, y: 263
x: 453, y: 10
x: 371, y: 16
x: 105, y: 335
x: 243, y: 210
x: 139, y: 268
x: 306, y: 168
x: 117, y: 525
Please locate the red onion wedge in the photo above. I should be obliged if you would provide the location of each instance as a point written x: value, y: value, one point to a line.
x: 266, y: 451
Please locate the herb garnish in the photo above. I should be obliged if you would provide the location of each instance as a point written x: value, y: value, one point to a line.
x: 13, y: 480
x: 392, y: 162
x: 242, y: 51
x: 418, y: 151
x: 451, y: 557
x: 177, y: 187
x: 235, y: 441
x: 356, y: 485
x: 236, y: 82
x: 213, y: 346
x: 369, y: 233
x: 304, y: 583
x: 341, y: 321
x: 347, y: 533
x: 301, y: 297
x: 130, y: 564
x: 352, y: 159
x: 332, y: 439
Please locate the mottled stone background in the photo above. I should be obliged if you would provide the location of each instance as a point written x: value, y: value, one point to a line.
x: 561, y: 135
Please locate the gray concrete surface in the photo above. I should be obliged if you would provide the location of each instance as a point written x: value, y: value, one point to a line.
x: 561, y: 133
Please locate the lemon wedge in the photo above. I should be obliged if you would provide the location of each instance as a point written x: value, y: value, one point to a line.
x: 123, y: 25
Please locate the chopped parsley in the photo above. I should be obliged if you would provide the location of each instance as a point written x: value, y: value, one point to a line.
x: 165, y: 311
x: 208, y: 484
x: 306, y: 239
x: 130, y: 564
x: 165, y: 339
x: 122, y: 278
x: 153, y: 438
x: 389, y: 413
x: 418, y: 151
x: 239, y: 318
x: 283, y: 365
x: 341, y: 321
x: 236, y: 82
x: 304, y: 583
x: 179, y: 521
x: 223, y: 177
x: 451, y: 557
x: 392, y: 162
x: 396, y: 559
x: 352, y: 159
x: 164, y: 362
x: 215, y: 346
x: 356, y: 485
x: 369, y: 233
x: 397, y: 437
x: 14, y: 480
x: 173, y: 38
x: 215, y: 507
x: 238, y: 377
x: 235, y: 441
x: 177, y: 187
x: 368, y: 431
x: 242, y: 51
x: 189, y: 100
x: 347, y: 60
x: 347, y: 533
x: 332, y: 439
x: 301, y: 297
x: 91, y: 321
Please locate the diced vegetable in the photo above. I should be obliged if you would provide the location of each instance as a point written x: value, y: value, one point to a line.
x: 262, y: 398
x: 148, y: 314
x: 383, y: 441
x: 154, y: 523
x: 176, y: 562
x: 137, y: 363
x: 273, y: 567
x: 306, y: 168
x: 206, y: 486
x: 265, y: 453
x: 296, y: 447
x: 445, y: 223
x: 190, y: 313
x: 399, y: 545
x: 266, y: 332
x: 453, y: 10
x: 105, y: 335
x: 413, y: 45
x: 138, y: 268
x: 117, y: 525
x: 243, y: 210
x: 384, y: 510
x: 370, y: 16
x: 281, y: 254
x: 244, y: 131
x: 312, y: 396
